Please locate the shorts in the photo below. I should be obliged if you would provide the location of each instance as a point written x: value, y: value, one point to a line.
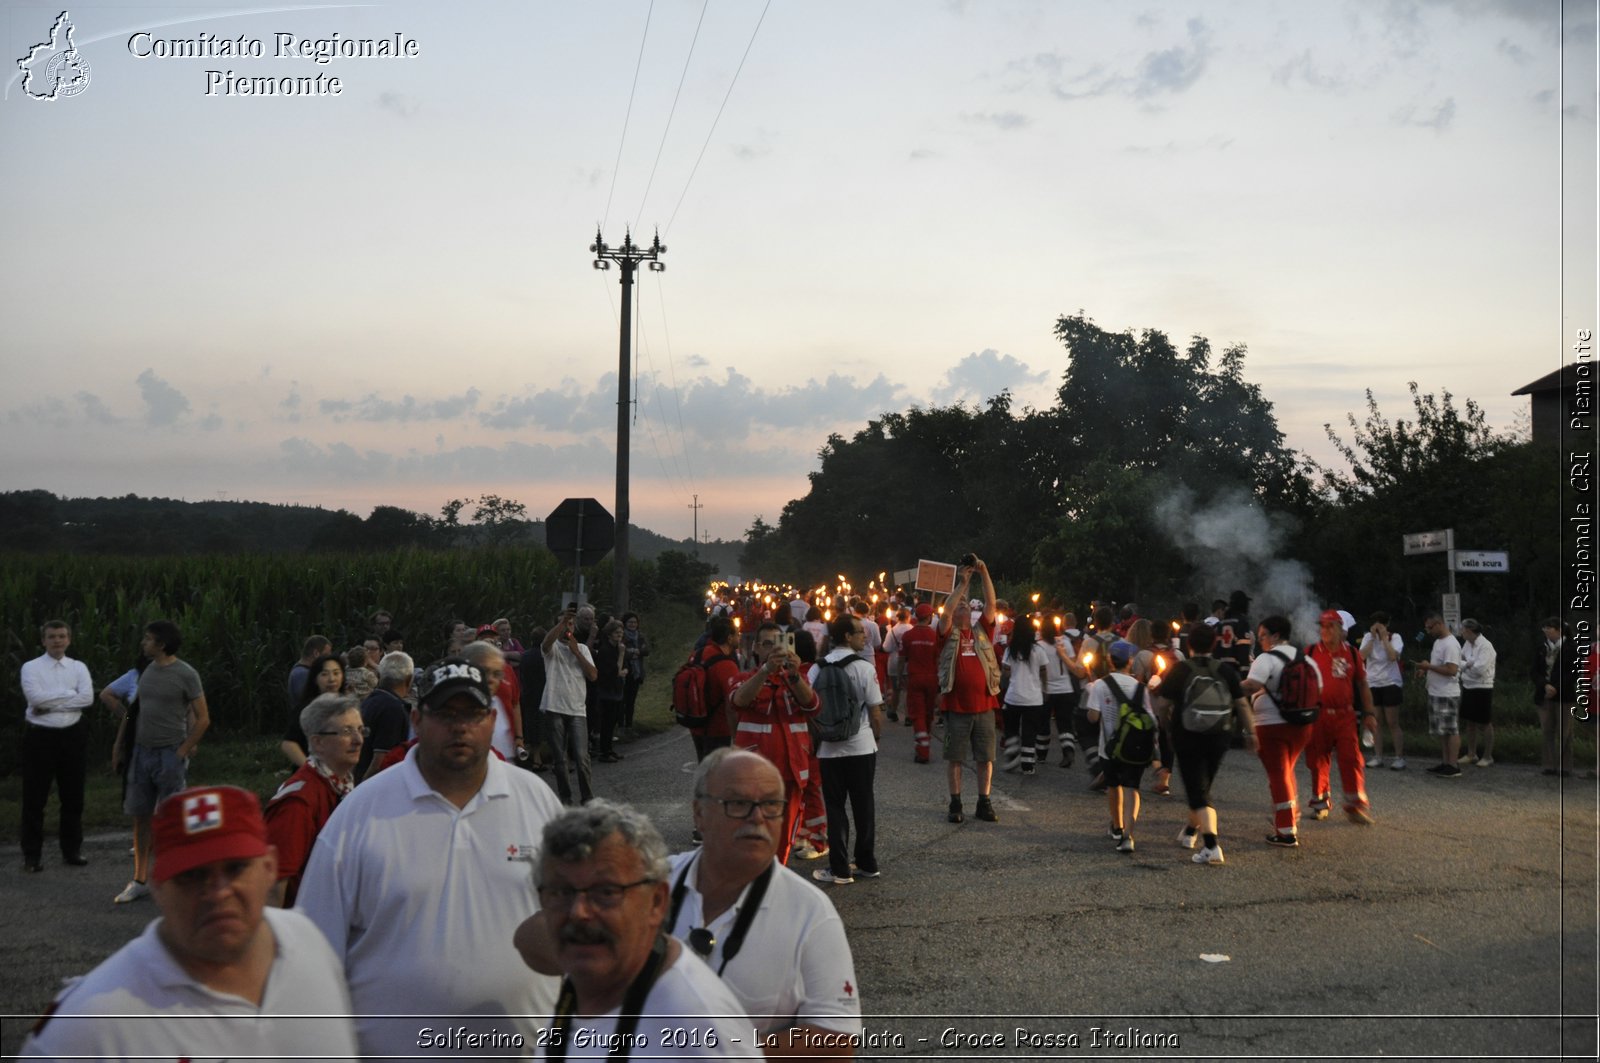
x: 1444, y: 715
x: 969, y: 734
x: 1387, y: 696
x: 153, y: 776
x: 1475, y: 704
x: 1120, y: 774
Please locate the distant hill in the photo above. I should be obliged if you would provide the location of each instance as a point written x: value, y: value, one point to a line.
x: 40, y: 522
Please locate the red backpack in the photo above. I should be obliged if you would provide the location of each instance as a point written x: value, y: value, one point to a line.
x: 1299, y: 693
x: 689, y: 702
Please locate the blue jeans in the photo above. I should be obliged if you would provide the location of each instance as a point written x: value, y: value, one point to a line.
x: 569, y: 740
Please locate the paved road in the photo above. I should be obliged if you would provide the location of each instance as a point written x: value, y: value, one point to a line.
x: 1463, y: 924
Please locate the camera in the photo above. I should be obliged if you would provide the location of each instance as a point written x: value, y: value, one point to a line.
x: 968, y: 560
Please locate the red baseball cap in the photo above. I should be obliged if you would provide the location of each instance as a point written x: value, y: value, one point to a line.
x: 1331, y: 616
x: 205, y: 824
x: 924, y: 610
x: 488, y: 629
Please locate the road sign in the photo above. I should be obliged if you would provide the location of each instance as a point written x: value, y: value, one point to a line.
x: 1480, y: 561
x: 1452, y: 611
x: 903, y: 576
x: 1429, y: 542
x: 580, y: 531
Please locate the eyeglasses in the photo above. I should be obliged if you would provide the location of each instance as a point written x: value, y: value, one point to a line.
x: 455, y: 716
x: 702, y: 941
x: 346, y: 732
x: 739, y: 808
x: 605, y: 895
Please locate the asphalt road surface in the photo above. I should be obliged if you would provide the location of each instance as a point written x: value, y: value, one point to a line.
x: 1462, y: 925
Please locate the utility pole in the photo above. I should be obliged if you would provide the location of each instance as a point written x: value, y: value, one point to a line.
x: 628, y: 256
x: 697, y: 507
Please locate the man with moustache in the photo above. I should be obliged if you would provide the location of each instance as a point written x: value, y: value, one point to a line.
x: 627, y: 985
x: 421, y: 875
x: 219, y: 974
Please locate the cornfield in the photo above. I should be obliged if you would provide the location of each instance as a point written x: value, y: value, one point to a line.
x: 243, y: 617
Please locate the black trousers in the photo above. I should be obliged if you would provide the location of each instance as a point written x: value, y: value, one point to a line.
x: 56, y: 755
x: 850, y: 778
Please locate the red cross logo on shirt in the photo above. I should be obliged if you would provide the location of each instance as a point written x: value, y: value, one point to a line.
x: 202, y: 812
x: 849, y: 990
x: 511, y: 850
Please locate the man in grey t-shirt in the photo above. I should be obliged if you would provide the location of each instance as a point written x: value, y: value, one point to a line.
x: 172, y: 717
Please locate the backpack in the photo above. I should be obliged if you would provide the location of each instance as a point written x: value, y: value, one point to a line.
x: 1207, y: 704
x: 1134, y: 740
x: 838, y: 717
x: 690, y: 705
x: 1299, y: 693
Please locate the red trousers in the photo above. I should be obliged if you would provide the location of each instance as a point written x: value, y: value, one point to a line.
x: 1335, y: 732
x: 1280, y: 746
x: 922, y: 698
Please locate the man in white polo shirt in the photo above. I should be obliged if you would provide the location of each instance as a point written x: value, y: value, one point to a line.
x: 422, y: 874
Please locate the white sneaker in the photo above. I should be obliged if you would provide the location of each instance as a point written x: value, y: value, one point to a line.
x: 1187, y: 839
x: 827, y: 877
x: 1374, y: 761
x: 1126, y: 844
x: 1208, y: 856
x: 1484, y: 762
x: 131, y: 892
x: 1398, y: 764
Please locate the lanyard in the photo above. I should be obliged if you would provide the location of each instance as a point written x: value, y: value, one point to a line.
x: 741, y: 924
x: 627, y: 1018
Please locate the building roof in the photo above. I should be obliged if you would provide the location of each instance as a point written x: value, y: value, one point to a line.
x: 1562, y: 379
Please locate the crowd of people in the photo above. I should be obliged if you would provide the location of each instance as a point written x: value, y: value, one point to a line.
x: 415, y: 840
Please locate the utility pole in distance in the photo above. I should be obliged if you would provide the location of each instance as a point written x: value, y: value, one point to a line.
x: 697, y: 507
x: 628, y: 256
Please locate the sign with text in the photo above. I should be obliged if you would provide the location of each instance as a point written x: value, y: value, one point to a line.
x: 936, y: 577
x: 1450, y: 606
x: 902, y: 576
x: 1480, y: 561
x: 1429, y: 542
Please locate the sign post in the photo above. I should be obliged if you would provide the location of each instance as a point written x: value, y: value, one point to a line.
x: 579, y: 532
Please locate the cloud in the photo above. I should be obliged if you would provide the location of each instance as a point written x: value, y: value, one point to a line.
x: 1513, y: 51
x: 163, y: 403
x: 1301, y: 69
x: 1174, y: 69
x: 373, y: 409
x: 983, y: 374
x: 751, y: 152
x: 1438, y: 119
x: 95, y: 410
x: 1162, y: 72
x: 567, y: 407
x: 1215, y: 142
x: 398, y: 104
x: 921, y: 154
x: 1006, y: 120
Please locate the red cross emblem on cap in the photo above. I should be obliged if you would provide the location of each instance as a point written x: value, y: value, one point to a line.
x: 202, y: 812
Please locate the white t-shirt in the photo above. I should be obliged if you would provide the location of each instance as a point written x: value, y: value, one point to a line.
x: 795, y: 965
x: 564, y: 685
x: 862, y: 674
x: 1477, y: 664
x: 688, y: 1014
x: 421, y: 899
x: 141, y: 1003
x: 1445, y: 651
x: 1383, y: 666
x: 1103, y: 701
x: 1267, y: 669
x: 1024, y: 688
x: 1060, y: 679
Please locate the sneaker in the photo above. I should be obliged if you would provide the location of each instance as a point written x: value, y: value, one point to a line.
x: 1067, y: 756
x: 919, y: 758
x: 807, y: 851
x: 1027, y: 769
x: 828, y: 878
x: 1374, y: 761
x: 1361, y: 816
x: 1188, y: 838
x: 131, y: 892
x: 858, y: 873
x: 1484, y: 762
x: 1208, y: 855
x: 985, y: 811
x: 1445, y: 771
x: 1126, y: 844
x: 1319, y: 813
x: 1283, y: 841
x: 894, y: 717
x: 955, y: 811
x: 1397, y: 764
x: 1115, y: 833
x: 695, y: 839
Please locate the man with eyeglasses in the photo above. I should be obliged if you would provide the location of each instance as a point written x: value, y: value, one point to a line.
x: 628, y: 990
x: 774, y: 702
x: 422, y: 874
x: 738, y: 907
x: 220, y: 974
x: 295, y: 814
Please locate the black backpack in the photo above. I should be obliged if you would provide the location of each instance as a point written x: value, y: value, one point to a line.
x: 1207, y: 702
x: 1134, y: 739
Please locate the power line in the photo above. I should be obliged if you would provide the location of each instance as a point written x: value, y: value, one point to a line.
x: 696, y: 168
x: 616, y: 167
x: 681, y: 78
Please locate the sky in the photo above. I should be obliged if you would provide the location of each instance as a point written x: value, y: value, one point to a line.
x: 385, y: 296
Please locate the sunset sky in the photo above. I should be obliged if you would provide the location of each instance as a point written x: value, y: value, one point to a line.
x: 385, y: 296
